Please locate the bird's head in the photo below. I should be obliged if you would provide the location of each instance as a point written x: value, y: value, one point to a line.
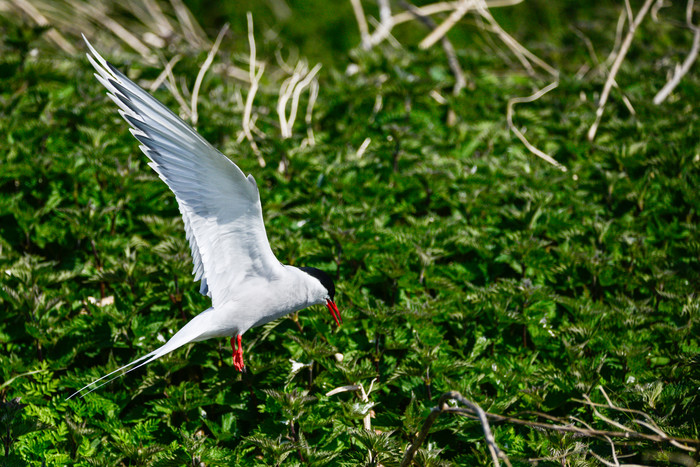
x: 329, y: 287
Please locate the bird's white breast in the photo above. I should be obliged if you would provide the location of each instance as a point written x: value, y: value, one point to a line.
x: 260, y: 300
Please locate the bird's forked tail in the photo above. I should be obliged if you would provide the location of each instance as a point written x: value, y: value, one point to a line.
x: 191, y: 332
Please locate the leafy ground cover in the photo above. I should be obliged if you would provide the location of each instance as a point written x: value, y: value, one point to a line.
x: 463, y: 263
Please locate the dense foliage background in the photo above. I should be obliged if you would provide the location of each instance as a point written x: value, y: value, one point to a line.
x: 463, y: 262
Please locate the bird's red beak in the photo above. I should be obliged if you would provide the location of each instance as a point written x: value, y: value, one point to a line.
x: 334, y: 311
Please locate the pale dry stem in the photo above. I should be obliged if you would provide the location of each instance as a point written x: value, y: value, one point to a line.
x: 602, y: 66
x: 53, y: 34
x: 457, y: 14
x: 285, y: 93
x: 656, y: 7
x: 313, y: 95
x: 363, y: 147
x: 91, y: 18
x: 648, y: 422
x: 303, y: 84
x: 383, y: 28
x: 172, y: 87
x: 254, y: 77
x: 203, y: 71
x: 361, y: 23
x: 519, y: 135
x: 164, y: 74
x: 619, y: 29
x: 442, y: 7
x: 523, y: 54
x: 159, y: 20
x: 190, y: 28
x: 683, y: 69
x: 98, y: 15
x: 624, y: 48
x: 452, y: 61
x: 563, y: 426
x: 292, y: 88
x: 497, y: 455
x: 364, y: 397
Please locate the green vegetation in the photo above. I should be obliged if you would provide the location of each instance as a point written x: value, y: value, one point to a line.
x: 463, y: 262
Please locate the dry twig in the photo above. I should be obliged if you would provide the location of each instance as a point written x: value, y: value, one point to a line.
x: 439, y: 32
x: 519, y: 135
x: 254, y: 77
x: 386, y: 23
x: 98, y: 15
x: 521, y: 53
x: 41, y: 20
x: 460, y: 80
x: 565, y: 427
x: 616, y: 67
x: 442, y: 7
x: 442, y: 407
x: 313, y: 95
x: 172, y: 87
x: 159, y: 20
x: 682, y: 70
x: 474, y: 412
x: 618, y: 37
x: 164, y: 74
x: 364, y: 397
x: 292, y: 88
x: 361, y: 23
x: 190, y: 28
x: 596, y: 62
x: 203, y: 71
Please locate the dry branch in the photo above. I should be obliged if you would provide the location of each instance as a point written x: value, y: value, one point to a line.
x: 442, y: 407
x: 203, y: 71
x: 142, y: 25
x: 292, y: 88
x: 682, y: 70
x: 97, y: 14
x: 41, y: 20
x: 168, y: 70
x: 386, y: 23
x: 560, y: 425
x: 313, y: 95
x: 596, y: 62
x: 616, y: 67
x: 442, y: 7
x: 566, y: 427
x: 361, y: 23
x: 159, y: 20
x: 303, y: 84
x: 172, y: 87
x: 190, y: 28
x: 524, y: 55
x: 460, y: 80
x: 364, y: 397
x: 439, y: 32
x: 519, y: 135
x: 254, y: 77
x: 618, y: 37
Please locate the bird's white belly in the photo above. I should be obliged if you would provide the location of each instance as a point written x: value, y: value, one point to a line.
x: 255, y: 306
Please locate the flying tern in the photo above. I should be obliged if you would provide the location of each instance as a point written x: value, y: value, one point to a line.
x: 223, y: 220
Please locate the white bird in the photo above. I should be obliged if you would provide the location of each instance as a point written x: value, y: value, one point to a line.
x: 223, y: 220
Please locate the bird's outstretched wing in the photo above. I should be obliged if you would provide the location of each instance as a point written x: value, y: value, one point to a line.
x: 220, y: 206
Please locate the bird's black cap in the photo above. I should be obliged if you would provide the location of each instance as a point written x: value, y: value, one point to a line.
x: 323, y: 278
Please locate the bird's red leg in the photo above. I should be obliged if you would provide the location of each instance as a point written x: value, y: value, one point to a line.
x: 237, y: 353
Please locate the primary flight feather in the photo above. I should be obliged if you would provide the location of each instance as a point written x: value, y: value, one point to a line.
x: 224, y: 226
